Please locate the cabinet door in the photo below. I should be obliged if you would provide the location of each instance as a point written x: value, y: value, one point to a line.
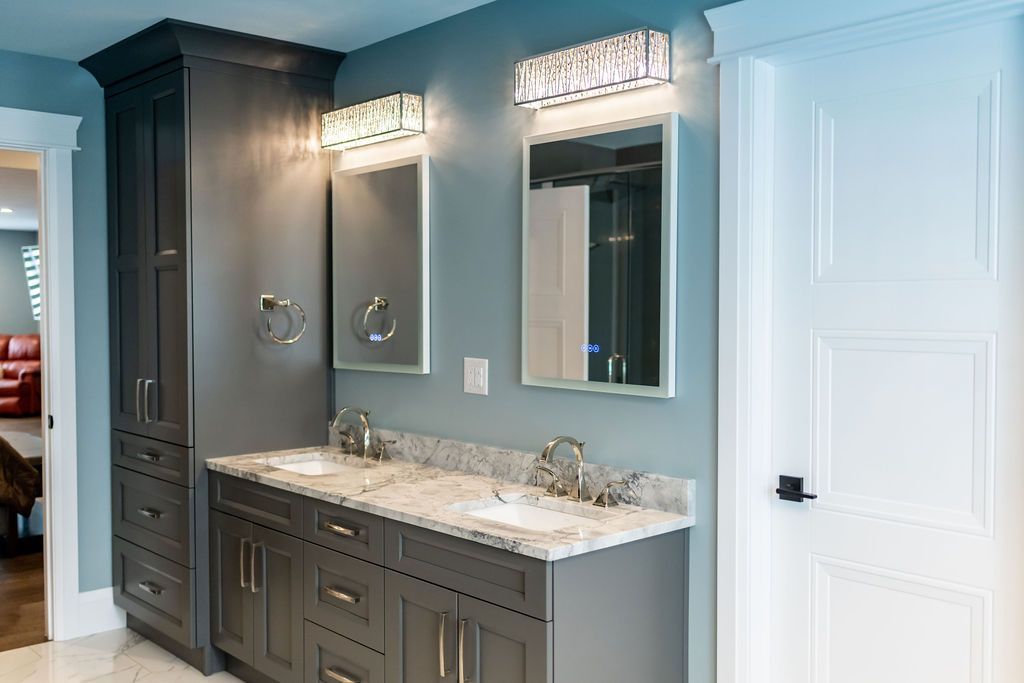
x: 278, y: 651
x: 421, y: 622
x: 231, y: 597
x: 501, y: 646
x: 168, y: 396
x: 126, y: 218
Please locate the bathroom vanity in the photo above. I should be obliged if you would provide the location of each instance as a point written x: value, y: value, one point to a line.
x: 326, y: 567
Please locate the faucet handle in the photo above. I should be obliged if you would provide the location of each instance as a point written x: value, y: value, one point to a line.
x: 557, y: 488
x: 382, y: 453
x: 606, y: 499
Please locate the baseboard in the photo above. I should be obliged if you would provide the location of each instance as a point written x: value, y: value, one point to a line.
x: 93, y: 612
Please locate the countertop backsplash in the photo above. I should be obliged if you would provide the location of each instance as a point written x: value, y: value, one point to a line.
x: 645, y: 489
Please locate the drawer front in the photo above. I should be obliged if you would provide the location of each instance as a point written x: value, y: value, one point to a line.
x: 154, y: 514
x: 519, y: 583
x: 345, y: 595
x: 264, y: 505
x: 331, y: 658
x: 155, y: 590
x: 352, y: 532
x: 155, y: 458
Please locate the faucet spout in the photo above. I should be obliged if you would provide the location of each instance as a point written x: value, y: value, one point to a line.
x: 579, y: 491
x: 364, y: 424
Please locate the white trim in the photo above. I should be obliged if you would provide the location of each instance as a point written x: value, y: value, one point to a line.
x: 422, y: 366
x: 669, y: 218
x: 783, y: 31
x: 751, y: 38
x: 69, y: 612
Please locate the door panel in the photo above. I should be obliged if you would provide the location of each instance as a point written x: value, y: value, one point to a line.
x: 898, y: 354
x: 231, y: 598
x: 277, y: 642
x: 501, y: 646
x: 559, y: 258
x: 125, y: 190
x: 421, y: 623
x: 167, y: 227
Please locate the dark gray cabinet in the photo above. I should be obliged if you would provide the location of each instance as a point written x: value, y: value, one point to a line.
x: 501, y: 646
x: 202, y: 127
x: 231, y: 604
x: 256, y: 596
x: 150, y: 337
x: 277, y: 608
x: 434, y: 609
x: 422, y: 620
x: 434, y: 633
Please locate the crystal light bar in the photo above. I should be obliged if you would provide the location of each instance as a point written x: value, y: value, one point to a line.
x: 385, y: 118
x: 633, y: 59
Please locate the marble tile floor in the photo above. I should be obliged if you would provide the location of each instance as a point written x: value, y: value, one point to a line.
x: 121, y: 656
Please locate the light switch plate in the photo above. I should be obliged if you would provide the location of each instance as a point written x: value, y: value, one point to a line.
x: 474, y: 376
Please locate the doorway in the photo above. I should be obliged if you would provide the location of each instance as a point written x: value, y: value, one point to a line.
x: 872, y: 353
x: 22, y: 462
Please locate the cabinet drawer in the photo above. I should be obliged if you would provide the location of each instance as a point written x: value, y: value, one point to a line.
x: 519, y: 583
x: 154, y: 514
x: 155, y: 590
x: 264, y: 505
x: 352, y: 532
x: 155, y: 458
x: 345, y: 594
x: 331, y: 658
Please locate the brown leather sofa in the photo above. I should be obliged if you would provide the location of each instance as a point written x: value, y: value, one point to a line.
x: 20, y: 375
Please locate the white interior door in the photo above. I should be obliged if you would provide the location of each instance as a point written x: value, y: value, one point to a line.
x: 559, y: 249
x: 898, y: 362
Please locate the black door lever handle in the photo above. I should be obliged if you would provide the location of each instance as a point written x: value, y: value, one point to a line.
x: 792, y: 489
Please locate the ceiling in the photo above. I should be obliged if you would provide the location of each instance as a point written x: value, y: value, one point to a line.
x: 73, y: 29
x: 18, y: 188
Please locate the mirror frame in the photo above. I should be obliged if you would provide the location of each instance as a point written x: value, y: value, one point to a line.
x: 666, y: 387
x: 422, y: 366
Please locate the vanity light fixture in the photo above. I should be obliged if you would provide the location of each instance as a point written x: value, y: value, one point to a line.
x: 625, y: 61
x: 385, y: 118
x: 6, y: 210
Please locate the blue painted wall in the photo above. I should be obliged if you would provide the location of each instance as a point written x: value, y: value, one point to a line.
x: 54, y: 85
x: 463, y: 66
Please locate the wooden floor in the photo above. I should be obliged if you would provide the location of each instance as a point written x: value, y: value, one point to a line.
x: 22, y: 612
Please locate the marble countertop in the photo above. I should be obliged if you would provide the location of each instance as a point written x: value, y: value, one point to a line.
x: 439, y: 500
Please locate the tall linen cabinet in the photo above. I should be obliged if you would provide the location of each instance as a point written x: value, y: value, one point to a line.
x: 217, y: 193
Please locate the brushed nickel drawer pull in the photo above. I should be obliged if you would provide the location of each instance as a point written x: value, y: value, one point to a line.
x: 151, y: 587
x: 341, y: 529
x: 145, y: 401
x: 341, y: 595
x: 442, y: 619
x: 462, y: 651
x: 138, y: 400
x: 150, y: 512
x: 335, y: 674
x: 252, y: 567
x: 241, y: 562
x: 148, y: 457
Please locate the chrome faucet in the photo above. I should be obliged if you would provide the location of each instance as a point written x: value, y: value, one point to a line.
x: 578, y: 492
x: 364, y: 424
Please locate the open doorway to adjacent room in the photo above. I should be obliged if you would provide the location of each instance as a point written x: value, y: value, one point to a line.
x: 22, y: 579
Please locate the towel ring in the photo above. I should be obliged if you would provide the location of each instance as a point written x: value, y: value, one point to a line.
x: 268, y: 302
x: 380, y: 303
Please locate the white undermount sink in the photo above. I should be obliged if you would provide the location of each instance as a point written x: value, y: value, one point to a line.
x: 532, y: 513
x: 310, y: 464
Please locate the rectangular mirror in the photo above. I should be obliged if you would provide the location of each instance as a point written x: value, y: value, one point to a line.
x: 381, y: 266
x: 599, y: 258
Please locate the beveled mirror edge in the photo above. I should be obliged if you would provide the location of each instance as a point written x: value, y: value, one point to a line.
x: 422, y: 366
x: 666, y: 387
